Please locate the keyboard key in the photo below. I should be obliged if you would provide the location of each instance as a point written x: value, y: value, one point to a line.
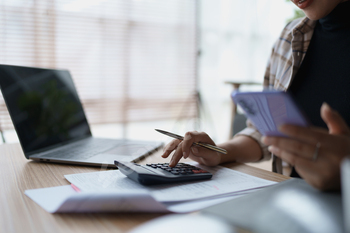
x: 180, y: 168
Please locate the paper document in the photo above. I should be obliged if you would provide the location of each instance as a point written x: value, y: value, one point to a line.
x: 66, y: 199
x: 224, y: 181
x: 112, y: 191
x: 190, y: 206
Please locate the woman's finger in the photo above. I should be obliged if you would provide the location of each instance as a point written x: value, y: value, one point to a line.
x: 177, y: 155
x: 306, y: 134
x: 284, y: 155
x: 170, y: 147
x: 293, y: 146
x: 307, y: 169
x: 335, y: 123
x: 202, y: 152
x: 336, y: 144
x: 197, y: 159
x: 322, y: 174
x: 190, y: 138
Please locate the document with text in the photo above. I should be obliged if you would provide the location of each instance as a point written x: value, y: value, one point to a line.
x: 225, y: 181
x: 111, y: 191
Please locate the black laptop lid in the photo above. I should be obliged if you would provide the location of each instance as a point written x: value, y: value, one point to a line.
x: 44, y: 107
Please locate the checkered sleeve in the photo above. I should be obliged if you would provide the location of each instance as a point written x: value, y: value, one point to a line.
x: 282, y: 66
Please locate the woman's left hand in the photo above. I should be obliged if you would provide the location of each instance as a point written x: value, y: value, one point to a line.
x: 315, y: 153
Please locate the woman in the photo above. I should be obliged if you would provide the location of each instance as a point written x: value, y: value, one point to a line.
x: 310, y: 60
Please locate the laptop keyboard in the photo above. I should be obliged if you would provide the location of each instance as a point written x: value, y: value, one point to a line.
x: 84, y: 149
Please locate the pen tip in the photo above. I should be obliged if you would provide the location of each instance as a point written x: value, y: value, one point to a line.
x: 160, y: 131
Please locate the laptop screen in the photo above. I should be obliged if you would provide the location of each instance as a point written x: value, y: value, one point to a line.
x: 44, y: 106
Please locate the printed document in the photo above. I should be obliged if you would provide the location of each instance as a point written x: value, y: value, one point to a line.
x: 225, y: 181
x: 111, y: 191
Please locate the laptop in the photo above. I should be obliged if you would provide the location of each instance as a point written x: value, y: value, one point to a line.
x: 51, y: 124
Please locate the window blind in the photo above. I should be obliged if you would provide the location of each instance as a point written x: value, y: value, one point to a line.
x: 131, y: 60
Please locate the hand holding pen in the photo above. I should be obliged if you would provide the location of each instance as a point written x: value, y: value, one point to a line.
x: 196, y: 145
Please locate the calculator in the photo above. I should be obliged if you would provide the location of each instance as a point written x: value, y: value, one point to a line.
x: 161, y: 173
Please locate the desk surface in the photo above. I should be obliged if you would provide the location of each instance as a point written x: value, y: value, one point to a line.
x: 18, y: 213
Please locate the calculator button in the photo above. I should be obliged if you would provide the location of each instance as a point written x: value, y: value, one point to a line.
x: 148, y: 164
x: 183, y: 173
x: 203, y: 171
x: 175, y: 172
x: 196, y: 171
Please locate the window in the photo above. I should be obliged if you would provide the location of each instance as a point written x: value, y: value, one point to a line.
x: 131, y: 60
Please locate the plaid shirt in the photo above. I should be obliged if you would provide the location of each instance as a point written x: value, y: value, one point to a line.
x: 287, y: 55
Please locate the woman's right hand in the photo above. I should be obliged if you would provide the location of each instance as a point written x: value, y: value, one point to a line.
x: 186, y: 149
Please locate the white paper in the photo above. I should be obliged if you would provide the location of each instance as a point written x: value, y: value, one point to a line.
x: 224, y: 181
x: 190, y: 206
x: 66, y: 199
x: 112, y: 191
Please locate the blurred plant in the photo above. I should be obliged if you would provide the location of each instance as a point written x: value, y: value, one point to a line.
x: 297, y: 13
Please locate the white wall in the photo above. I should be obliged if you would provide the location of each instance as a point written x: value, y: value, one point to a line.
x: 236, y: 41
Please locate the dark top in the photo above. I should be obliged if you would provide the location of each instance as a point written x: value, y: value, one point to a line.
x: 324, y: 75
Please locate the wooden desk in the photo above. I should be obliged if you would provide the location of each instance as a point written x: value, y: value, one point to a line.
x: 18, y: 213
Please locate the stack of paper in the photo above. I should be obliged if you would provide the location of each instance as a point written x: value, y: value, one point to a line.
x: 112, y: 191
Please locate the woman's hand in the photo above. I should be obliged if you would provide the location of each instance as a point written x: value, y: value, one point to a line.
x: 315, y: 153
x: 186, y: 149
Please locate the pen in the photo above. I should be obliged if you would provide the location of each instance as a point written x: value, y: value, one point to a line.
x: 202, y: 144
